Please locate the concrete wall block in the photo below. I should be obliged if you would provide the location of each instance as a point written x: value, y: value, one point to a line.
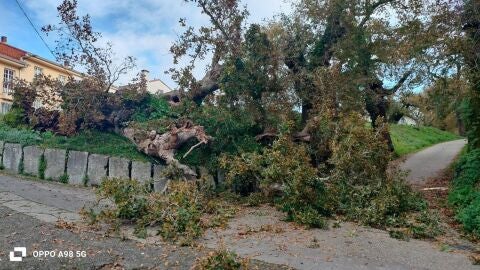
x: 55, y: 159
x: 12, y: 156
x: 119, y: 168
x: 77, y: 167
x: 159, y: 181
x: 141, y: 171
x: 31, y: 160
x: 1, y: 149
x: 97, y: 169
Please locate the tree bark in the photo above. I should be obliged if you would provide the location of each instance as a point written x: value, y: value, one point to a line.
x: 377, y: 104
x: 164, y: 146
x: 207, y: 85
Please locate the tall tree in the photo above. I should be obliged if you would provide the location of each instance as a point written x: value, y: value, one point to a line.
x: 471, y: 53
x: 218, y: 40
x: 78, y: 44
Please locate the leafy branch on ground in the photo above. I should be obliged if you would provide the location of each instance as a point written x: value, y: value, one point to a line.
x: 181, y: 215
x: 221, y: 259
x: 358, y: 187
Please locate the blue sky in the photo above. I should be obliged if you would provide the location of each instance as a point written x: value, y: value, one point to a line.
x: 144, y: 29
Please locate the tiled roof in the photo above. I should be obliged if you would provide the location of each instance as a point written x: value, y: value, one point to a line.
x: 11, y: 51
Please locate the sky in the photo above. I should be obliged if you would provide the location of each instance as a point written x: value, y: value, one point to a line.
x: 144, y: 29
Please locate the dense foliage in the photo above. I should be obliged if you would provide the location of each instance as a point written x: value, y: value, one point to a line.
x: 465, y: 195
x: 285, y: 165
x: 471, y: 26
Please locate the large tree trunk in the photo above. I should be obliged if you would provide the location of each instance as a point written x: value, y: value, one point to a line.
x: 207, y: 85
x: 164, y: 146
x: 377, y: 106
x: 376, y: 102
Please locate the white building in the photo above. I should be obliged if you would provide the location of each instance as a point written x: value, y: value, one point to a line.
x: 408, y: 121
x: 155, y: 86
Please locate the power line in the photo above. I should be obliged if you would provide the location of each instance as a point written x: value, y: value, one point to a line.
x: 34, y: 28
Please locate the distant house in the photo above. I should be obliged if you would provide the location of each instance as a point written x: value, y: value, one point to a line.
x: 407, y: 121
x: 16, y: 63
x: 156, y: 86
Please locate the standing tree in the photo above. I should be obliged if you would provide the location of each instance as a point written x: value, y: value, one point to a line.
x: 219, y: 40
x: 471, y: 53
x: 79, y: 44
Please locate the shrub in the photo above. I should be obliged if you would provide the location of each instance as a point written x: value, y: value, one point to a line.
x: 220, y: 260
x: 85, y: 180
x: 15, y: 118
x: 18, y: 135
x: 64, y: 178
x: 152, y: 108
x: 470, y: 217
x: 75, y: 106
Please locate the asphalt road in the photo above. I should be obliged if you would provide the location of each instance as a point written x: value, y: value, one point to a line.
x: 432, y: 161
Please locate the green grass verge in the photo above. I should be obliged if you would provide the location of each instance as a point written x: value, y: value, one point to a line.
x: 89, y: 141
x: 464, y: 194
x: 408, y: 139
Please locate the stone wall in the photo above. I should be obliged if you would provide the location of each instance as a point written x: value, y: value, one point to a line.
x: 75, y: 167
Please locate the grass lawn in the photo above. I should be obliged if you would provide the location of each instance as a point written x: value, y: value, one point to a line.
x: 408, y: 139
x: 92, y: 141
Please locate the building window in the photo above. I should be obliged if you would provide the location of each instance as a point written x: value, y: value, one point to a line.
x: 62, y: 79
x: 8, y: 75
x: 5, y: 107
x: 38, y: 71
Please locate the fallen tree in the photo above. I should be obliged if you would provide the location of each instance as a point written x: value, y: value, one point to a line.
x: 165, y: 145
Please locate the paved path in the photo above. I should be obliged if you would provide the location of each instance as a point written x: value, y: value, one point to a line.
x: 46, y: 201
x: 259, y: 233
x: 432, y: 161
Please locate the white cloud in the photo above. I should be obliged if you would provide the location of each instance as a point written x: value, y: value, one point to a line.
x: 145, y: 29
